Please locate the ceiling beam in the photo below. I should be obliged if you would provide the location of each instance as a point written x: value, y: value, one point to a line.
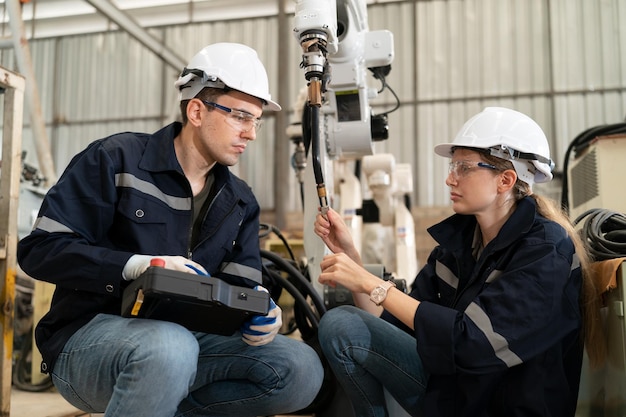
x: 128, y: 24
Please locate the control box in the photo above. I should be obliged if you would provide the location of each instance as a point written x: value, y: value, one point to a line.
x: 198, y: 302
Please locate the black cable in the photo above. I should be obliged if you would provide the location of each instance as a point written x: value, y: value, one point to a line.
x: 604, y: 233
x: 315, y: 145
x: 271, y: 228
x: 295, y: 293
x: 306, y: 319
x: 301, y: 279
x: 306, y: 139
x: 308, y: 329
x: 380, y: 73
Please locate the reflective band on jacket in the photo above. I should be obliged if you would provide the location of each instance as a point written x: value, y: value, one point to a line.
x: 499, y: 343
x: 130, y: 181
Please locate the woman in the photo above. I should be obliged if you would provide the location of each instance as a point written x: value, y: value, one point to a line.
x: 493, y: 325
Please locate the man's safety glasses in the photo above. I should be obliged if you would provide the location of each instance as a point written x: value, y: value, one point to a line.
x: 237, y: 118
x: 459, y: 169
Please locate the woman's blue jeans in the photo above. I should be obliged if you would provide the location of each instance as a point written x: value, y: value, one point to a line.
x: 366, y: 354
x: 147, y: 368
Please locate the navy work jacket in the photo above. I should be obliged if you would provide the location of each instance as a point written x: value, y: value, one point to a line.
x: 125, y: 195
x: 500, y: 335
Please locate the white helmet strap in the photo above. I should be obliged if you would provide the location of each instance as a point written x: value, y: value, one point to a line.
x: 511, y: 154
x: 192, y: 81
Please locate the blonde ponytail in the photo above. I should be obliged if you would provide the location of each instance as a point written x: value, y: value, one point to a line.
x: 593, y: 333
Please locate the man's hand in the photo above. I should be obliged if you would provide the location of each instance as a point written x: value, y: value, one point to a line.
x: 137, y: 265
x: 260, y: 330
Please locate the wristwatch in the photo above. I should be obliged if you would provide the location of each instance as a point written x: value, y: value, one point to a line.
x: 379, y: 293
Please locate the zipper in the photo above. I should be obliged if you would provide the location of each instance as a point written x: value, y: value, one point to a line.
x: 228, y: 214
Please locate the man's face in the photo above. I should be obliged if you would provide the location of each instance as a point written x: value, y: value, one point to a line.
x: 227, y: 126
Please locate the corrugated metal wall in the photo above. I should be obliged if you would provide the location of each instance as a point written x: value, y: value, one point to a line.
x: 563, y: 62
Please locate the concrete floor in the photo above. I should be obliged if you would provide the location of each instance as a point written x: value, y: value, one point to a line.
x: 41, y: 404
x: 47, y: 404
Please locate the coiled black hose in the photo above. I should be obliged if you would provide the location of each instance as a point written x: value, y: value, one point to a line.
x: 604, y: 233
x: 295, y: 274
x: 307, y: 318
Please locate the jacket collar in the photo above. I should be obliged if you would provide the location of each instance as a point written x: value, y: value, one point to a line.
x: 159, y: 154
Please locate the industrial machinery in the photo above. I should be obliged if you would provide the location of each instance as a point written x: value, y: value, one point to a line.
x: 336, y: 129
x: 595, y: 174
x: 596, y: 204
x: 389, y: 184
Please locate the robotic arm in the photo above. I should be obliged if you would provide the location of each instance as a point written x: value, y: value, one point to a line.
x: 348, y: 52
x: 389, y: 184
x: 337, y: 124
x: 338, y: 127
x: 316, y: 29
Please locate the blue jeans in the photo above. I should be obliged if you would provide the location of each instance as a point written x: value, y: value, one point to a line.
x: 366, y: 354
x: 147, y: 368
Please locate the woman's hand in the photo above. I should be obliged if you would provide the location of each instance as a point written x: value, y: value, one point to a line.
x: 336, y: 234
x: 339, y: 268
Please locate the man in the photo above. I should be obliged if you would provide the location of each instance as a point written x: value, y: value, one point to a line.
x: 133, y: 196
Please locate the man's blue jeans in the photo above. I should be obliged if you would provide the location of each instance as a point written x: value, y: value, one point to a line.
x: 367, y: 353
x: 147, y: 368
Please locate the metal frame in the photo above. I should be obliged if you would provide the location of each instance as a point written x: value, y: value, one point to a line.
x: 13, y: 86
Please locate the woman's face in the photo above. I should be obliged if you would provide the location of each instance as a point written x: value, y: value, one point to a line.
x: 473, y: 183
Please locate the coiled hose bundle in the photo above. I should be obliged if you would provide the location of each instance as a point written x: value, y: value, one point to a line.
x: 604, y: 233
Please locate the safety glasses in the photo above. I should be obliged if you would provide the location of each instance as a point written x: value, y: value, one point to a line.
x: 238, y: 119
x: 460, y: 169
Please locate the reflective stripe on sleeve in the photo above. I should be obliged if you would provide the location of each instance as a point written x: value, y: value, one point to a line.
x: 497, y: 341
x: 51, y: 226
x: 446, y: 275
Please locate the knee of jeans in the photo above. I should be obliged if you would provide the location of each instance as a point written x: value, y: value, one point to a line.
x: 306, y: 366
x: 334, y: 322
x: 169, y: 347
x: 303, y: 375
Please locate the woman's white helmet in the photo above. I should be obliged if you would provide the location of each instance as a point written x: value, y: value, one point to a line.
x: 222, y: 65
x: 507, y: 134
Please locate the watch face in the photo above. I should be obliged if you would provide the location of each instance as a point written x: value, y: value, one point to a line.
x: 378, y: 295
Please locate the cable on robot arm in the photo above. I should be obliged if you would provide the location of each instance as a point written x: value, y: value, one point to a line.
x: 380, y: 73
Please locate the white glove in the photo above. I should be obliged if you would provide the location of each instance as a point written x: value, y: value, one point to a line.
x: 260, y: 330
x: 137, y: 265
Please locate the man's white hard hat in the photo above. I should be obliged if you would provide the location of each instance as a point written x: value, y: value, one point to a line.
x: 226, y: 65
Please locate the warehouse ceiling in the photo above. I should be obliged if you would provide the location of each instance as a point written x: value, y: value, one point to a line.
x: 51, y: 18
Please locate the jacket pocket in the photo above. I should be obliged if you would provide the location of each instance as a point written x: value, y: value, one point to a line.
x: 141, y: 224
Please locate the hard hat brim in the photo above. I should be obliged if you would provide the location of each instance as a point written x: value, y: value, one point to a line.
x: 271, y: 105
x: 445, y: 149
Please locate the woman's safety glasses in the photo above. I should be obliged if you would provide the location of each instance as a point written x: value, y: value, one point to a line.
x: 460, y: 169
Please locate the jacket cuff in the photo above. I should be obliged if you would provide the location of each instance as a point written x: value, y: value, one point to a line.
x: 434, y: 331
